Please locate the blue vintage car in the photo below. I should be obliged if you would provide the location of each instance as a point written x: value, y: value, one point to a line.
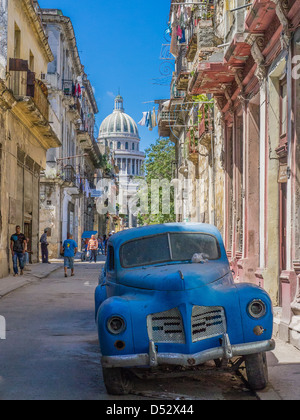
x: 167, y: 297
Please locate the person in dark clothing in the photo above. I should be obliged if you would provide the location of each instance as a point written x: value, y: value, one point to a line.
x: 44, y: 246
x: 18, y: 246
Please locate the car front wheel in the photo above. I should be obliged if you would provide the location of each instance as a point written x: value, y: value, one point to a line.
x: 257, y: 371
x: 117, y: 381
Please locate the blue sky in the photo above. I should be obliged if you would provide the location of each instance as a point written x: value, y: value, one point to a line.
x: 119, y: 44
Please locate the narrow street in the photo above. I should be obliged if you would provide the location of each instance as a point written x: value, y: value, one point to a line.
x: 51, y: 351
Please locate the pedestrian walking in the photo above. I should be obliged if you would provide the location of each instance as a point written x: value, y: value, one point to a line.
x: 18, y: 247
x: 44, y: 246
x: 70, y: 248
x: 93, y: 248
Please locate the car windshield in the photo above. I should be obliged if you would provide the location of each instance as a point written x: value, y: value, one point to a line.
x: 167, y: 248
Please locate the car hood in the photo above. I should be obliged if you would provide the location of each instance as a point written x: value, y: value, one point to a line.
x: 174, y: 277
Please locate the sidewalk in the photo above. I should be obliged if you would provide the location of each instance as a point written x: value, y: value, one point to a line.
x: 35, y: 272
x: 284, y: 373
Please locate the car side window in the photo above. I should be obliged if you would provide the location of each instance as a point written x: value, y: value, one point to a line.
x: 111, y: 259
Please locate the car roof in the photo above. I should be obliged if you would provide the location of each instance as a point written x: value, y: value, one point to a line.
x: 124, y: 236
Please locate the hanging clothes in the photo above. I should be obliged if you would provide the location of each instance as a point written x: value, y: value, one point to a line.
x: 154, y: 120
x: 143, y: 120
x: 179, y: 33
x: 148, y: 119
x: 183, y: 39
x: 174, y: 45
x: 78, y: 90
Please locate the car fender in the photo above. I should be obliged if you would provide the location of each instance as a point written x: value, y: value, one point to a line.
x: 255, y: 329
x: 115, y: 306
x: 100, y: 297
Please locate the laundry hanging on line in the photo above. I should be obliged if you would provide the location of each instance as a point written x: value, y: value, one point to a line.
x: 149, y: 119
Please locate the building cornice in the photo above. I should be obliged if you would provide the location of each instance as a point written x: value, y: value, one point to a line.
x: 90, y: 93
x: 29, y: 8
x: 49, y: 16
x: 55, y: 16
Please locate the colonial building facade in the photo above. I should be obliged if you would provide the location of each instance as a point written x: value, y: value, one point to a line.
x: 25, y: 129
x: 72, y: 170
x: 242, y: 152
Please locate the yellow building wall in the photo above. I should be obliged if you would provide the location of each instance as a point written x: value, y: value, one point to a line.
x: 30, y: 40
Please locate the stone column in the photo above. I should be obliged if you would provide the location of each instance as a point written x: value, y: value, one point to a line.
x: 128, y: 166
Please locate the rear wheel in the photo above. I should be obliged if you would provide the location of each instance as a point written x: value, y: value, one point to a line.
x: 257, y: 371
x: 117, y: 381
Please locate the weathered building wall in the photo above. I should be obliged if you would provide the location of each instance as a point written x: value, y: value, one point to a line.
x: 219, y: 175
x: 30, y: 36
x: 64, y: 205
x: 25, y: 131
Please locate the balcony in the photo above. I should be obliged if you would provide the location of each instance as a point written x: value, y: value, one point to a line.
x: 68, y: 174
x: 67, y: 87
x: 90, y: 145
x: 32, y: 105
x: 192, y: 48
x: 177, y: 94
x: 166, y: 121
x: 23, y: 83
x: 183, y: 73
x: 206, y: 38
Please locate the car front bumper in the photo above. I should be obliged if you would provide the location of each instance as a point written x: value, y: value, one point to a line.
x: 153, y: 359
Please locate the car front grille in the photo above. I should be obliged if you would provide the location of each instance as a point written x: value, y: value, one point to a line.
x: 207, y: 322
x: 166, y: 327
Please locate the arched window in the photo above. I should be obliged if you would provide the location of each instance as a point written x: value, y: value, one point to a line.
x: 119, y: 145
x: 126, y: 146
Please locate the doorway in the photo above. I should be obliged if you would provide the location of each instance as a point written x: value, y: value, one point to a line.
x: 28, y: 234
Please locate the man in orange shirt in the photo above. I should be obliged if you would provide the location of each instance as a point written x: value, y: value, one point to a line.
x: 93, y: 248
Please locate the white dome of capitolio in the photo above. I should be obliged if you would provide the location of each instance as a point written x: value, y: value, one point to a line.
x: 118, y: 123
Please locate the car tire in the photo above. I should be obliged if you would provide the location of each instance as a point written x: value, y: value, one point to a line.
x: 117, y: 381
x: 257, y: 371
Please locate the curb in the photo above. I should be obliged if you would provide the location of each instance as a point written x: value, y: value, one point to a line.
x: 11, y: 286
x: 269, y: 394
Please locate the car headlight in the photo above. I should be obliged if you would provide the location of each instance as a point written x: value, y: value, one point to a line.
x: 257, y: 309
x: 116, y: 325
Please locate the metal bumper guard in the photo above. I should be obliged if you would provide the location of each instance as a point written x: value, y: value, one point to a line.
x: 153, y: 359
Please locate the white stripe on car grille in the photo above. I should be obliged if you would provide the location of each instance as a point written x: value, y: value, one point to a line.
x: 166, y: 327
x: 207, y: 322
